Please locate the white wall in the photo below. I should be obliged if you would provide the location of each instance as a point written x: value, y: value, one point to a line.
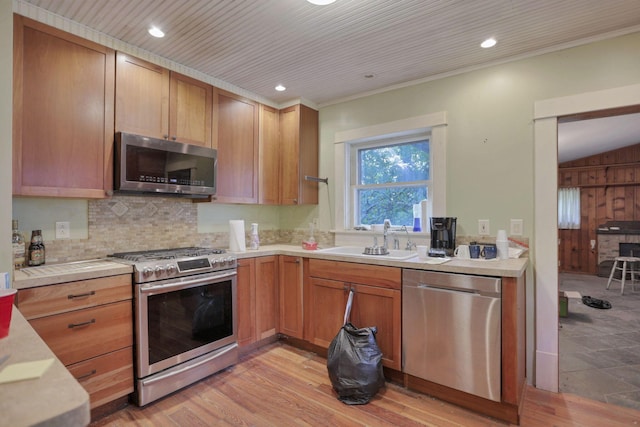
x: 490, y: 148
x: 6, y: 73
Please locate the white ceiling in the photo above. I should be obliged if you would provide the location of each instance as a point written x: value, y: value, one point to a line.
x: 588, y: 137
x: 323, y: 53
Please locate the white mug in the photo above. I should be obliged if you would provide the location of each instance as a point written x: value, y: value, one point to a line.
x: 462, y: 251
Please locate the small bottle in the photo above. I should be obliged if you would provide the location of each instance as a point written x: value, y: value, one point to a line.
x: 36, y: 249
x: 416, y: 218
x: 19, y: 247
x: 255, y: 238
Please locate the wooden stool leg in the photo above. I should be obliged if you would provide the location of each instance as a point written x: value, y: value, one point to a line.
x: 624, y: 276
x: 613, y: 269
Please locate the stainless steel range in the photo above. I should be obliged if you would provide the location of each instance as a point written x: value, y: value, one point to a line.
x: 185, y: 317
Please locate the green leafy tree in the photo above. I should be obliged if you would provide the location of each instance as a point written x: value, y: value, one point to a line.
x: 391, y: 172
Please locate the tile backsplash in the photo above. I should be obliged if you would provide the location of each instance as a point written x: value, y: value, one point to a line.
x: 137, y: 223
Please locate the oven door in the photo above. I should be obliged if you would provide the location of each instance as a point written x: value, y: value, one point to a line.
x: 179, y: 319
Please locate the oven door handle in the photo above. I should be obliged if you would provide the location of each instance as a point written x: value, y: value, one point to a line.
x: 184, y: 283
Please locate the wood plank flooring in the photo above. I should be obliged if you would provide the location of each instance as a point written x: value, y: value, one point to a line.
x: 279, y: 385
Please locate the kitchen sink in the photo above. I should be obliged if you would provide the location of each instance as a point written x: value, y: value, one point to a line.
x: 358, y: 251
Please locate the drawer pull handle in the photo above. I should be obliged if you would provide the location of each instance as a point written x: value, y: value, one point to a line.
x: 88, y: 294
x: 77, y: 325
x: 87, y: 375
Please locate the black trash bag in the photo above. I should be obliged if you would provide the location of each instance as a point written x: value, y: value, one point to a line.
x: 354, y: 362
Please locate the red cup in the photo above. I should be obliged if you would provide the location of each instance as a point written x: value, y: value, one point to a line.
x: 6, y: 306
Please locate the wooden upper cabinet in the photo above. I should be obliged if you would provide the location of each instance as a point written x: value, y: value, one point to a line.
x: 299, y: 155
x: 63, y: 90
x: 142, y: 97
x: 153, y: 101
x: 190, y: 109
x: 269, y: 154
x: 235, y: 120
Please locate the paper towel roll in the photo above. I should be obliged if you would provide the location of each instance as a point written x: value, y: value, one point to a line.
x: 236, y: 236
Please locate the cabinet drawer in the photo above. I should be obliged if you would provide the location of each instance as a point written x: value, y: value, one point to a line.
x: 375, y: 275
x: 48, y: 300
x: 82, y: 334
x: 106, y: 377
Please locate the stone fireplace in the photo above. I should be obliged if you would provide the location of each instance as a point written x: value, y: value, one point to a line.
x: 616, y: 238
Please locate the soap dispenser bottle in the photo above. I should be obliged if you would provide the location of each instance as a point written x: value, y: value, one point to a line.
x: 255, y: 238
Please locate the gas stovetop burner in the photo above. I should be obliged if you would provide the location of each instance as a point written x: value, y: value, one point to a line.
x: 162, y: 254
x: 163, y: 264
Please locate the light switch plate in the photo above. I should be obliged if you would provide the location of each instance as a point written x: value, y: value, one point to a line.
x: 63, y: 230
x: 517, y: 227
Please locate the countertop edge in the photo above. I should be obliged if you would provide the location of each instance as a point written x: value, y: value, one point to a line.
x: 54, y: 399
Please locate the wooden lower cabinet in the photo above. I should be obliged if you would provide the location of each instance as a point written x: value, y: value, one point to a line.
x: 105, y: 377
x: 290, y: 295
x: 88, y: 324
x: 257, y: 299
x: 377, y: 302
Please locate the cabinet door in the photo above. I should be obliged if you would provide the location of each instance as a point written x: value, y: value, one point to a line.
x: 62, y: 113
x: 142, y: 97
x: 326, y: 310
x: 269, y: 155
x: 291, y: 304
x: 299, y: 155
x: 190, y: 110
x: 266, y: 296
x: 246, y: 301
x: 236, y: 139
x: 380, y: 307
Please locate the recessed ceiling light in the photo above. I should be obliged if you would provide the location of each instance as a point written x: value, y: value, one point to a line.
x: 321, y: 2
x: 488, y: 43
x: 280, y: 88
x: 156, y: 32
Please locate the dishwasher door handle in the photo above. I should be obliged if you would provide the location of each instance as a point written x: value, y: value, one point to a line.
x: 441, y: 288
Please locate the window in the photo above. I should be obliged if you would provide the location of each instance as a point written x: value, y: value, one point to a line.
x: 569, y: 208
x: 388, y: 178
x: 431, y: 128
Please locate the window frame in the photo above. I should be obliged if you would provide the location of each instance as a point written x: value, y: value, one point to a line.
x: 434, y: 124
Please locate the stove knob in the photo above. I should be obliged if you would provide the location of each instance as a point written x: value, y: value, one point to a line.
x: 160, y: 270
x: 230, y: 261
x: 147, y: 272
x: 214, y: 262
x: 171, y: 269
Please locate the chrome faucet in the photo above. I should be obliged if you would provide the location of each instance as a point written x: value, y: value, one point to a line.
x: 396, y: 241
x: 387, y: 226
x: 410, y: 244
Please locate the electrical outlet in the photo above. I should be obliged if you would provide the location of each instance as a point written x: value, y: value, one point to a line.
x: 517, y: 228
x: 483, y: 227
x: 63, y: 230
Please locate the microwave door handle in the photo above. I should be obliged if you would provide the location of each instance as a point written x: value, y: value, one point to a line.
x: 184, y: 284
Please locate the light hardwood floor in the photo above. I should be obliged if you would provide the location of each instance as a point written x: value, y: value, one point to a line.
x: 280, y: 385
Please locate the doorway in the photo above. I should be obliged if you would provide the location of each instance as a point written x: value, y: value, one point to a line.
x: 545, y: 253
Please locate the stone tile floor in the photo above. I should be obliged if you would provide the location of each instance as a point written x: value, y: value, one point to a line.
x: 600, y: 349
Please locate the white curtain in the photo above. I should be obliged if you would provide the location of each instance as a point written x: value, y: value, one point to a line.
x: 569, y: 208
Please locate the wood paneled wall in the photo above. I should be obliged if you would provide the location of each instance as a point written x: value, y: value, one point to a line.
x: 609, y: 191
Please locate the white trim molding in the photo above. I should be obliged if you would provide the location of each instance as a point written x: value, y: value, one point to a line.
x: 435, y: 124
x: 545, y: 254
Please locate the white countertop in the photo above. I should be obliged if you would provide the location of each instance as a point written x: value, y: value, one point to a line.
x: 54, y: 399
x: 513, y: 267
x: 50, y: 274
x: 91, y: 269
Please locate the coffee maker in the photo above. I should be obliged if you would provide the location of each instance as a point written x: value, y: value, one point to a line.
x: 443, y: 236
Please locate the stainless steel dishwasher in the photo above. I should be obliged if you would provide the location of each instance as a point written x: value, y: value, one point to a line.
x: 451, y: 330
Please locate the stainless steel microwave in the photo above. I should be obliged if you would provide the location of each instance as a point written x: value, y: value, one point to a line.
x: 150, y: 165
